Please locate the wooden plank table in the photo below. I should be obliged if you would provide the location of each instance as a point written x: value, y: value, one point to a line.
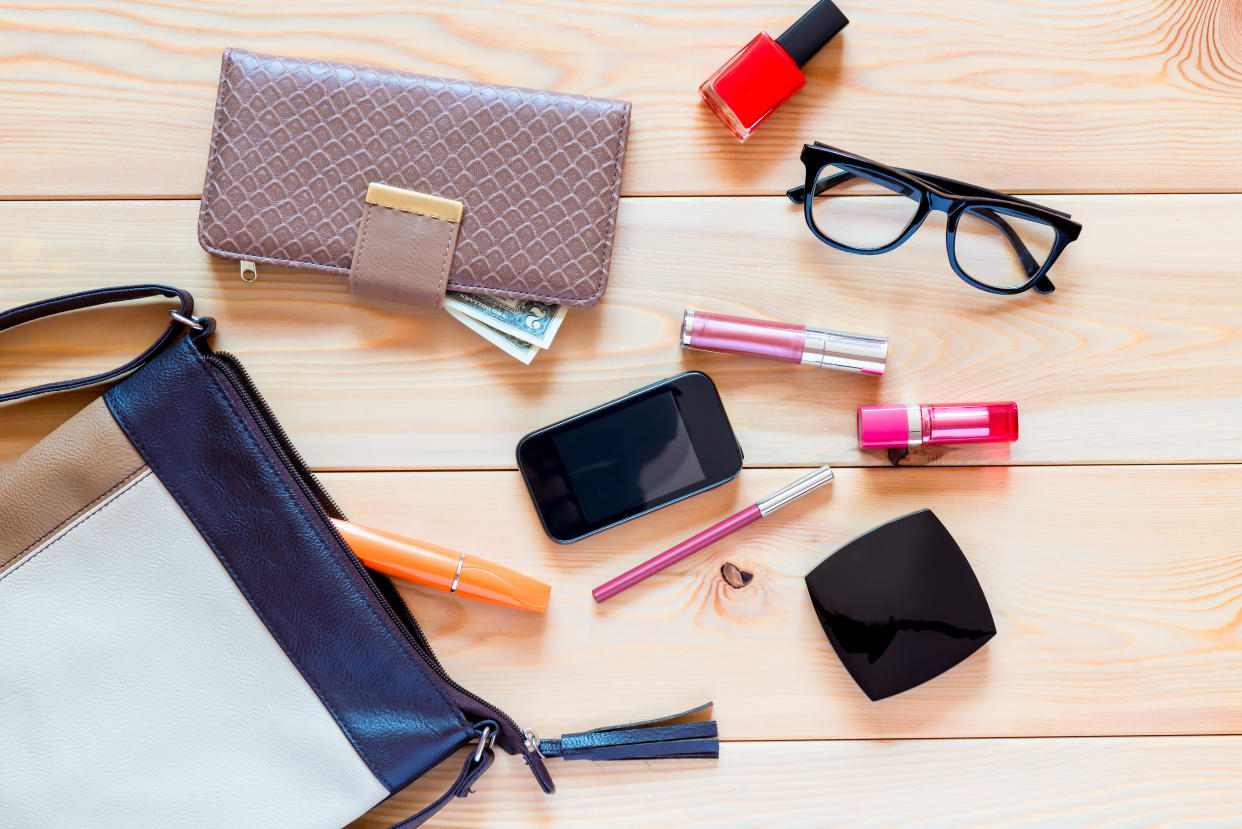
x: 1107, y: 539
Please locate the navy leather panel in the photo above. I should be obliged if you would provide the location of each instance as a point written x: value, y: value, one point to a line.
x: 188, y: 422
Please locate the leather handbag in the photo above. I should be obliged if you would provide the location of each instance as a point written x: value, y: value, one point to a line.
x: 184, y: 638
x: 413, y: 185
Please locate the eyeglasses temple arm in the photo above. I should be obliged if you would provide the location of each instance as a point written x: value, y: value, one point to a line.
x: 797, y: 195
x: 943, y: 182
x: 1024, y: 253
x: 972, y: 189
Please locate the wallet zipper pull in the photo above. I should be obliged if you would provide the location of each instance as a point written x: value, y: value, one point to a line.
x: 249, y: 273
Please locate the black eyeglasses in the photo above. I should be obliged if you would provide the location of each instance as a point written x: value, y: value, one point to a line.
x: 997, y: 243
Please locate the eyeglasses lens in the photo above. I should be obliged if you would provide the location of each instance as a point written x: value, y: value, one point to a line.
x: 1001, y: 248
x: 861, y: 210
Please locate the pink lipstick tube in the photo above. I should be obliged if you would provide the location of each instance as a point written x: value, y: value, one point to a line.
x: 784, y: 342
x: 886, y: 427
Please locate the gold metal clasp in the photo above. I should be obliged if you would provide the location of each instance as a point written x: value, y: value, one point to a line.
x: 411, y: 201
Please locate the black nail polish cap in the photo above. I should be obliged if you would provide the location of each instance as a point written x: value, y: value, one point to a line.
x: 812, y: 30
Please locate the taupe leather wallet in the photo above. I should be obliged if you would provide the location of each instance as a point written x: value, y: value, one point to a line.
x: 412, y: 185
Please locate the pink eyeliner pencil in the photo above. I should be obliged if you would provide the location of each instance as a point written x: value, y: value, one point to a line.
x: 714, y: 533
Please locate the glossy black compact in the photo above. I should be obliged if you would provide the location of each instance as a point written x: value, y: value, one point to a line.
x: 900, y: 605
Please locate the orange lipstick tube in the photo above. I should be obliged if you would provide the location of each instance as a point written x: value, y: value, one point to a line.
x: 442, y: 568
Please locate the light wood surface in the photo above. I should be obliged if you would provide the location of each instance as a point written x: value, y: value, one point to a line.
x: 1106, y: 539
x: 1116, y: 607
x: 1136, y: 782
x: 1027, y: 95
x: 1133, y: 359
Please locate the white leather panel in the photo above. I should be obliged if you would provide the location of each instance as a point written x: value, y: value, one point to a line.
x: 138, y: 688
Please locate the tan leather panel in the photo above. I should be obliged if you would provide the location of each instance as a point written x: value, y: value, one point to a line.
x: 402, y: 256
x: 62, y: 475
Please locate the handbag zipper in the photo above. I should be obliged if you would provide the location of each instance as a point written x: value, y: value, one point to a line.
x: 239, y: 378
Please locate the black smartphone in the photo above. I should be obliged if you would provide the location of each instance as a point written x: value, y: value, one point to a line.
x: 656, y: 445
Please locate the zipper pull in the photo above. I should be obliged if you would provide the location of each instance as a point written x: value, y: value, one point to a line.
x: 531, y: 742
x: 688, y: 734
x: 249, y: 273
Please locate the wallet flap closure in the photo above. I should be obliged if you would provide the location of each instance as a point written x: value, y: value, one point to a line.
x: 405, y: 245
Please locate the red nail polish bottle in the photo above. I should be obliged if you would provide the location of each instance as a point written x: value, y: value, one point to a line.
x: 766, y: 72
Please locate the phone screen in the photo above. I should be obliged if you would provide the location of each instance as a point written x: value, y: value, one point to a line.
x: 636, y: 454
x: 644, y: 451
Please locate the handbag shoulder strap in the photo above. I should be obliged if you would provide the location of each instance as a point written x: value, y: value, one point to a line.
x: 477, y: 762
x: 181, y: 318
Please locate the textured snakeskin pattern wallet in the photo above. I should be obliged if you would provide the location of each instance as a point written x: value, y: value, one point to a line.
x: 412, y: 185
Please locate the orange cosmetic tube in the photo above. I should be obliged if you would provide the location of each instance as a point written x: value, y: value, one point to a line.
x: 442, y: 568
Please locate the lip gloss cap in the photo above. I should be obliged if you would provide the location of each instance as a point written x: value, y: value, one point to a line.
x: 783, y: 341
x: 852, y: 352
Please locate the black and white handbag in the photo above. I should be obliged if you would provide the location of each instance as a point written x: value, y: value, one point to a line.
x: 185, y: 640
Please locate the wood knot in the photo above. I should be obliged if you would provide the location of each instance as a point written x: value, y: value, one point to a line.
x: 735, y: 576
x: 916, y: 456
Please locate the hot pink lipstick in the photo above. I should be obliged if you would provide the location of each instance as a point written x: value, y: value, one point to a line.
x: 783, y: 341
x: 886, y: 427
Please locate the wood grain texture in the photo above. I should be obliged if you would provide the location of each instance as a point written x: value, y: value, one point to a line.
x: 1117, y: 590
x: 1116, y: 593
x: 934, y: 783
x: 104, y: 97
x: 1135, y: 358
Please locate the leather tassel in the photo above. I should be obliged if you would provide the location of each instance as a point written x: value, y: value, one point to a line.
x: 688, y: 734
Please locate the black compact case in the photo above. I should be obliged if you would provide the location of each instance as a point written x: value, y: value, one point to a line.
x: 900, y: 605
x: 656, y: 445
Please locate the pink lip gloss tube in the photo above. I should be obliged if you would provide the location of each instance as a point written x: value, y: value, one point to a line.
x: 784, y: 342
x: 886, y: 427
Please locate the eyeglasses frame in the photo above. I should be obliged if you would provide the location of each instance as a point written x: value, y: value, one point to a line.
x: 946, y: 195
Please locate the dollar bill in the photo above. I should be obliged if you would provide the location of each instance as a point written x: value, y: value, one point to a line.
x: 512, y: 346
x: 527, y: 320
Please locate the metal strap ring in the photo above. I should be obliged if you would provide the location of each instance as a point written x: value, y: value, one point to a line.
x: 484, y: 742
x: 190, y: 322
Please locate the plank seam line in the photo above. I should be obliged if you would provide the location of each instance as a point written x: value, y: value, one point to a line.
x: 103, y: 197
x: 1222, y: 735
x: 351, y: 470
